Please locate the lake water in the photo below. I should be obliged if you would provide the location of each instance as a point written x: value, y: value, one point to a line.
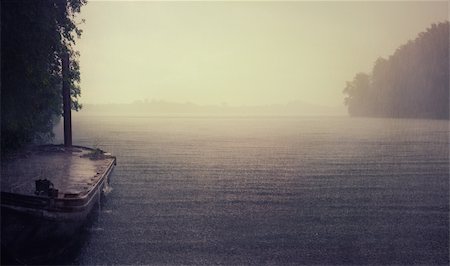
x: 270, y: 190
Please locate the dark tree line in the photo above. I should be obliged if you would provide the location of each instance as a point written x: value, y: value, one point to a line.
x: 411, y: 83
x: 34, y: 35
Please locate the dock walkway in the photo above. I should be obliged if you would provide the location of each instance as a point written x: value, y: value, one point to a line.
x: 42, y: 218
x: 76, y: 174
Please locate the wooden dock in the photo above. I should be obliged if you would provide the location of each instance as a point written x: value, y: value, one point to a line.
x: 78, y: 174
x: 76, y: 178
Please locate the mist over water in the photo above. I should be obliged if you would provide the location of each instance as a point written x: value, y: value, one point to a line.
x: 270, y: 190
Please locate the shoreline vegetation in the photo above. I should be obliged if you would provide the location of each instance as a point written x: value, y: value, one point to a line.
x: 412, y: 83
x: 36, y: 35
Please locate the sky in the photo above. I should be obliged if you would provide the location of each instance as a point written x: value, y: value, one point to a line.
x: 239, y: 53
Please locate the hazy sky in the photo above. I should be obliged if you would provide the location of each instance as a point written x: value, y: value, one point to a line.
x: 239, y: 52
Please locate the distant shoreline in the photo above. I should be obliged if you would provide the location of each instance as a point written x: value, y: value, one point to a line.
x: 160, y: 108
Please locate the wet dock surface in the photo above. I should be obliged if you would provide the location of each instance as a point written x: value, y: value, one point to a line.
x: 73, y: 171
x: 48, y: 194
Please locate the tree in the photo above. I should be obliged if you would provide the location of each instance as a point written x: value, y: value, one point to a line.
x: 357, y: 91
x: 35, y: 34
x: 413, y: 82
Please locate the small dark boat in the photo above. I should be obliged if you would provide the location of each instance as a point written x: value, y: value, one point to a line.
x: 47, y: 194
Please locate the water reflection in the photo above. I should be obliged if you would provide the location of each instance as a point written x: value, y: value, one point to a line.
x: 40, y: 242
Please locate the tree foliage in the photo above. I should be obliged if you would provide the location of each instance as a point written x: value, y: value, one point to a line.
x: 413, y: 82
x: 34, y: 35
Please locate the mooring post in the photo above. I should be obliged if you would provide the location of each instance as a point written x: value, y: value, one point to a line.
x: 66, y: 101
